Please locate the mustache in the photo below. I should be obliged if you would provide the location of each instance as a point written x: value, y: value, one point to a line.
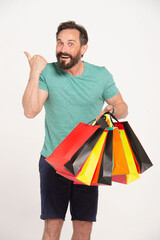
x: 64, y: 54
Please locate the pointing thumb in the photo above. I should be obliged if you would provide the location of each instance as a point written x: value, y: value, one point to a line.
x: 28, y: 56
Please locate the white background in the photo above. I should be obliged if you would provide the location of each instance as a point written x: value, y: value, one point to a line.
x: 124, y: 36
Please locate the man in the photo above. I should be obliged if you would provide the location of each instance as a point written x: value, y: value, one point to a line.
x: 71, y: 91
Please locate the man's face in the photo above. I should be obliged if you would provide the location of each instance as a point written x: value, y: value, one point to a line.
x: 68, y: 49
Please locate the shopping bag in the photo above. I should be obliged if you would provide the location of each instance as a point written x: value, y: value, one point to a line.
x: 112, y: 161
x: 78, y: 159
x: 117, y: 159
x: 105, y: 173
x: 140, y: 155
x: 133, y: 175
x: 70, y: 145
x: 137, y: 161
x: 96, y: 173
x: 101, y: 153
x: 120, y: 164
x: 89, y: 167
x: 103, y: 170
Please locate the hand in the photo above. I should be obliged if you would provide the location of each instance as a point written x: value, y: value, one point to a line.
x: 37, y: 63
x: 108, y: 108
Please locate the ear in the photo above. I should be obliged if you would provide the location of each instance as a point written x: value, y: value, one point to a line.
x: 84, y: 49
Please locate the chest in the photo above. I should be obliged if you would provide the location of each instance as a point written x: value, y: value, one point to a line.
x: 74, y: 91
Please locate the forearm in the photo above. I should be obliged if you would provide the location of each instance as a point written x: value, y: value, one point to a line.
x: 30, y: 100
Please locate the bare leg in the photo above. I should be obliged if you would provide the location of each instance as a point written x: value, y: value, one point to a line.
x: 81, y: 230
x: 52, y: 229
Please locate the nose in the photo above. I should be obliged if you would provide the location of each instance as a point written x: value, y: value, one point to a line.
x: 64, y: 48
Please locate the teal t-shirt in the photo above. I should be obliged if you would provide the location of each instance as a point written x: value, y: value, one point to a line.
x: 72, y: 99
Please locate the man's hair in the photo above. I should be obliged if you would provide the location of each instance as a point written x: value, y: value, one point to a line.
x: 72, y: 25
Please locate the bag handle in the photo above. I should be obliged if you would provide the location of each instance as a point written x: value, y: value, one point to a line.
x: 112, y: 116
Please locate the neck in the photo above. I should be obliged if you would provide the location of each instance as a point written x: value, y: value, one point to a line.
x: 76, y: 69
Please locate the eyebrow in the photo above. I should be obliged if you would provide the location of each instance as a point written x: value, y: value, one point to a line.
x: 68, y: 40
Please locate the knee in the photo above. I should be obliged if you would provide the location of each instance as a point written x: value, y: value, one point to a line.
x: 52, y: 229
x: 81, y: 235
x: 82, y: 231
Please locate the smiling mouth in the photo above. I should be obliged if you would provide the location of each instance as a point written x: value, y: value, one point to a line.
x: 64, y: 57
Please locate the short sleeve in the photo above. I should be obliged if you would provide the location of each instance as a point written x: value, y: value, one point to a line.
x: 110, y: 88
x: 42, y: 83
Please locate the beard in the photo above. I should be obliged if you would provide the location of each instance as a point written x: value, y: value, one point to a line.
x: 73, y: 60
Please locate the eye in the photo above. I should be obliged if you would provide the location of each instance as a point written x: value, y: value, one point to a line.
x: 71, y: 44
x: 59, y: 43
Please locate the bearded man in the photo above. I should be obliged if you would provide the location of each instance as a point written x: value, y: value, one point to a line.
x: 72, y: 91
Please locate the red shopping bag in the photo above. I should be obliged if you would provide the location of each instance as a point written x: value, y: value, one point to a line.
x: 70, y: 145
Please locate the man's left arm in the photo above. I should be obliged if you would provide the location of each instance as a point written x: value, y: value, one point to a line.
x: 117, y: 105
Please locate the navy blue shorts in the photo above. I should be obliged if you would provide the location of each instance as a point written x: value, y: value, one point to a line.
x: 57, y: 192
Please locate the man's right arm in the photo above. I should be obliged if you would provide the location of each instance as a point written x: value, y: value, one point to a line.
x: 33, y: 97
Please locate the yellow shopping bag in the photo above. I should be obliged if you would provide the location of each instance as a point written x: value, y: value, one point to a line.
x: 133, y: 175
x: 89, y: 167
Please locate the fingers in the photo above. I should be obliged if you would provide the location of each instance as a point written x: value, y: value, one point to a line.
x: 98, y: 117
x: 107, y: 109
x: 28, y: 56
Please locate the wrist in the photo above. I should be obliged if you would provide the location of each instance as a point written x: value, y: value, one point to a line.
x: 34, y: 74
x: 34, y: 77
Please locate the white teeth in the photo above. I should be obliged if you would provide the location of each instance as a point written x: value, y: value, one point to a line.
x: 65, y: 56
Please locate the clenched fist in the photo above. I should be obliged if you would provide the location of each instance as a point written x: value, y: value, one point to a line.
x: 37, y: 63
x: 108, y: 108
